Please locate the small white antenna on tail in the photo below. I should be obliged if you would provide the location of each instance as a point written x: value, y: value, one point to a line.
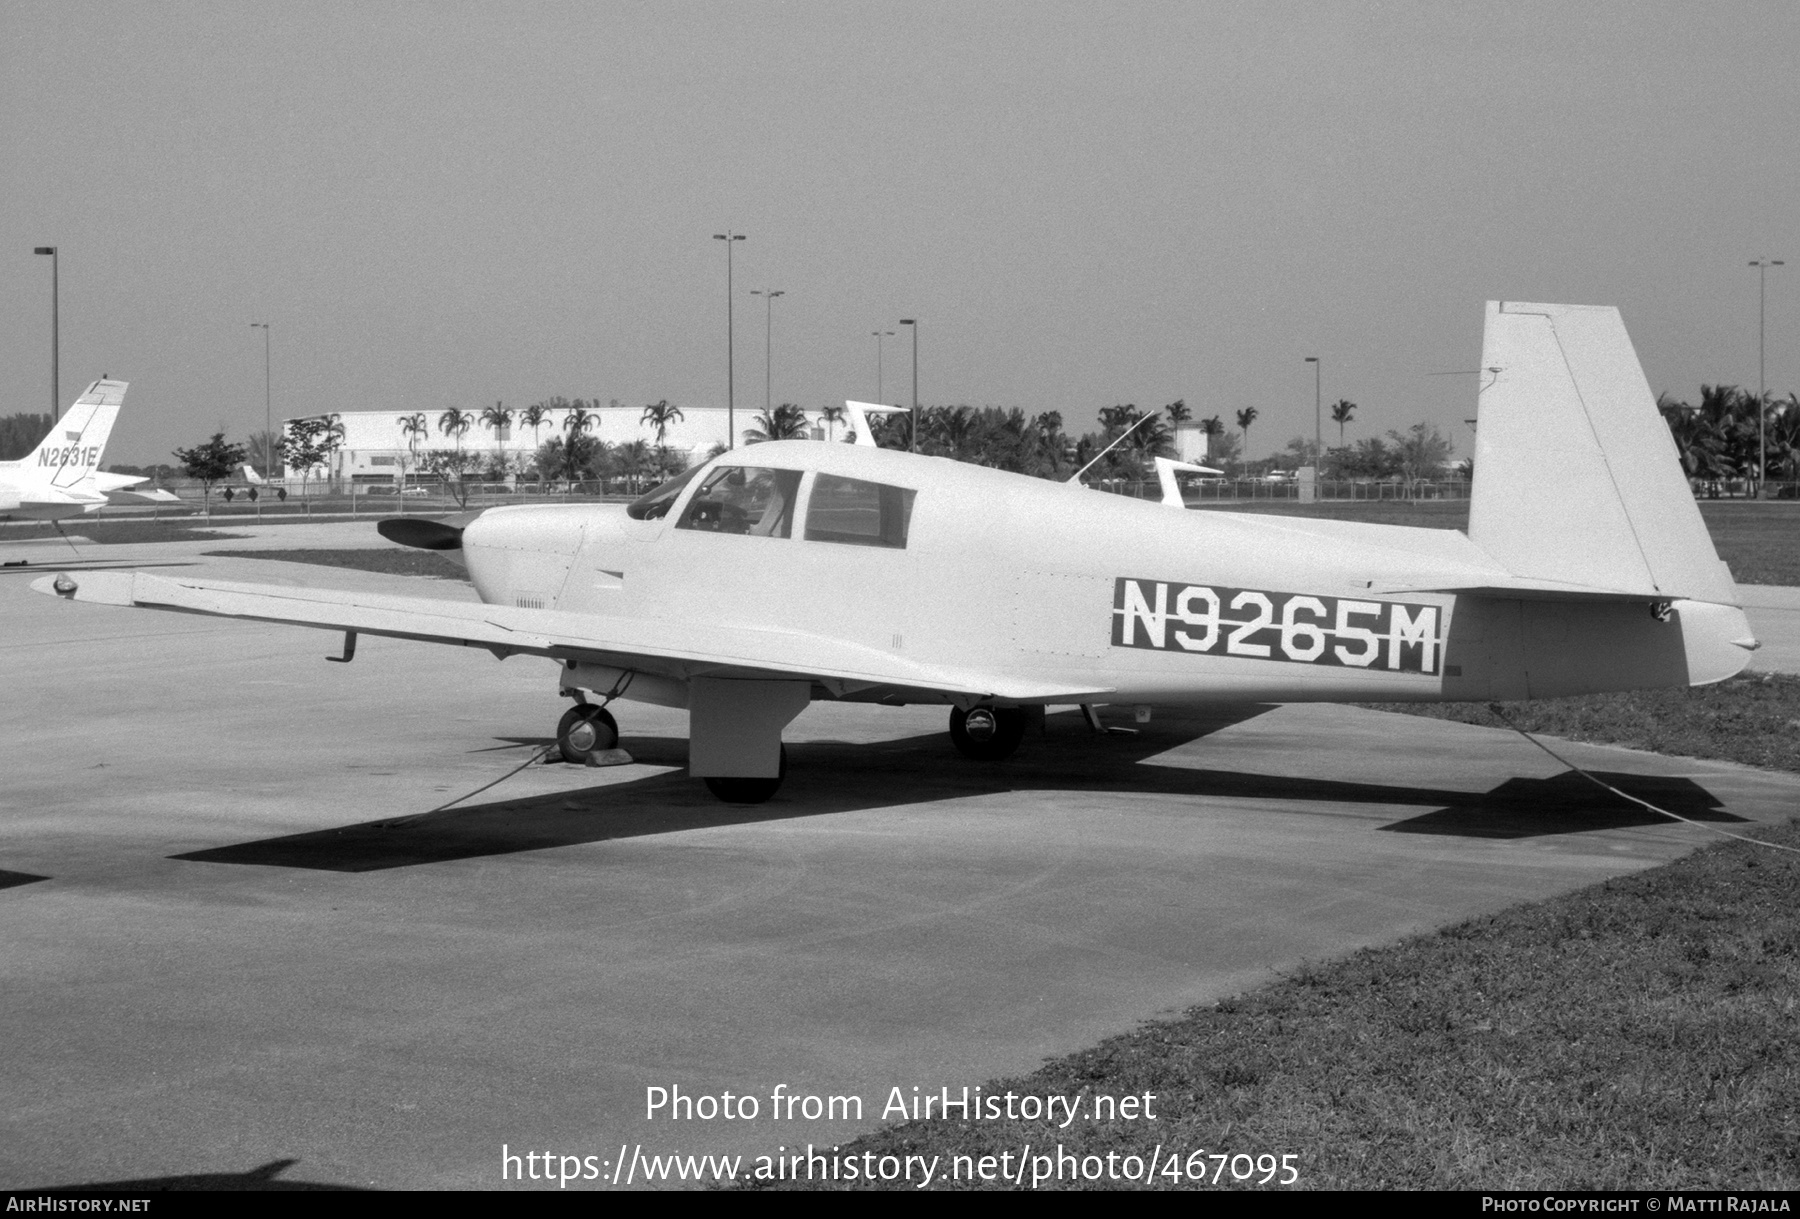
x: 859, y: 421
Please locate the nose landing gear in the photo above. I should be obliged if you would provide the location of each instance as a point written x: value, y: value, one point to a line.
x: 987, y: 734
x: 586, y: 734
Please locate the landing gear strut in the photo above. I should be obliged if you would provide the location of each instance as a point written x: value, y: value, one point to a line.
x: 586, y: 731
x: 747, y: 791
x: 987, y: 734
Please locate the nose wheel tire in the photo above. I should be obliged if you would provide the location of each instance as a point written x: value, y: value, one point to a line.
x: 584, y: 732
x: 747, y: 791
x: 987, y: 734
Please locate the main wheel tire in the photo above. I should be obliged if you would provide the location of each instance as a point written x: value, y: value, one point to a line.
x: 734, y: 790
x: 987, y: 734
x: 586, y: 730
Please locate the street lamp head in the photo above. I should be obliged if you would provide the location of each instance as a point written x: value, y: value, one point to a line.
x: 907, y: 321
x: 1310, y: 360
x: 44, y: 249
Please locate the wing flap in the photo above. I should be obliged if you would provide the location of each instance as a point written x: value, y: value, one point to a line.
x: 678, y: 649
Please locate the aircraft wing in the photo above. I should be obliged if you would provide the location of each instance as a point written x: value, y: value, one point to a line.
x: 675, y: 649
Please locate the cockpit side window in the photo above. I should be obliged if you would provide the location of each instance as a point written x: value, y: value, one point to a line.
x: 858, y: 513
x: 655, y: 503
x: 751, y: 500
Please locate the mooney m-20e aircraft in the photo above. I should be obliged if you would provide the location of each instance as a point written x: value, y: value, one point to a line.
x: 62, y: 477
x: 791, y: 571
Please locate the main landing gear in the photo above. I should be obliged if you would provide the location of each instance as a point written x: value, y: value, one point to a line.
x: 987, y: 734
x: 748, y: 791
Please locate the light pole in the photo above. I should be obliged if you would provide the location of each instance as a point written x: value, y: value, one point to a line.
x: 879, y: 335
x: 914, y: 429
x: 1762, y: 266
x: 268, y: 412
x: 1318, y: 417
x: 768, y: 342
x: 729, y: 238
x: 55, y: 338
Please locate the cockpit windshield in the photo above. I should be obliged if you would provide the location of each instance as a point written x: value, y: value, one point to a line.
x: 655, y: 503
x: 752, y: 500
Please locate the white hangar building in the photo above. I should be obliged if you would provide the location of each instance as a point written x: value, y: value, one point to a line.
x: 379, y: 445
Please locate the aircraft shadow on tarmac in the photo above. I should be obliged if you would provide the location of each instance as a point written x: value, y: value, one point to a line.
x: 266, y: 1177
x: 833, y: 777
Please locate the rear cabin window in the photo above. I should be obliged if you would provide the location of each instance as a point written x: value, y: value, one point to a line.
x: 858, y: 513
x: 750, y: 500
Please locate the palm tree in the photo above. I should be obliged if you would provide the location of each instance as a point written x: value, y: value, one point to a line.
x: 416, y: 428
x: 634, y: 459
x: 1245, y: 418
x: 660, y: 415
x: 1341, y: 411
x: 1116, y: 419
x: 499, y: 419
x: 785, y: 422
x: 534, y: 417
x: 832, y: 415
x: 1212, y: 428
x: 454, y: 422
x: 1178, y: 411
x: 331, y: 438
x: 953, y: 428
x: 577, y: 422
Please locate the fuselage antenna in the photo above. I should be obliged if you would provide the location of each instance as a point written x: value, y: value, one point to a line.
x: 1143, y: 419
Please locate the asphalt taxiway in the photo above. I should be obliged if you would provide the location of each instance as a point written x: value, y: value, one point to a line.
x: 235, y: 940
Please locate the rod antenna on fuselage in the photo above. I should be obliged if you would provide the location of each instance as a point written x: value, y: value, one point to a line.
x: 1142, y: 419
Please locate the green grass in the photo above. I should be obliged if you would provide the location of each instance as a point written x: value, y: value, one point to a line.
x: 1639, y: 1034
x: 1421, y: 514
x: 1636, y: 1035
x: 1759, y: 539
x: 111, y: 533
x: 1752, y: 719
x: 406, y: 562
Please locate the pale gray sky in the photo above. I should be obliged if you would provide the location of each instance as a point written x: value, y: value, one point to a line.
x: 1085, y: 204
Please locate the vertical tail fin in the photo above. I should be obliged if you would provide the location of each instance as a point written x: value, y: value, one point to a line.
x: 74, y: 446
x: 1576, y: 476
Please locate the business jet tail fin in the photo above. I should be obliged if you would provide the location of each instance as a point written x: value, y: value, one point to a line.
x: 74, y: 446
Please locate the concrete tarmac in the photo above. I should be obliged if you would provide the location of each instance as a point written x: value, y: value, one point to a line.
x: 236, y: 941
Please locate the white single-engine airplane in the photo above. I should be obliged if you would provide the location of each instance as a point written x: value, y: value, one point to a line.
x: 62, y: 477
x: 791, y: 571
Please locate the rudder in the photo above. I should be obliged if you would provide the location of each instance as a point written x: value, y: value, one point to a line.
x: 1576, y: 476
